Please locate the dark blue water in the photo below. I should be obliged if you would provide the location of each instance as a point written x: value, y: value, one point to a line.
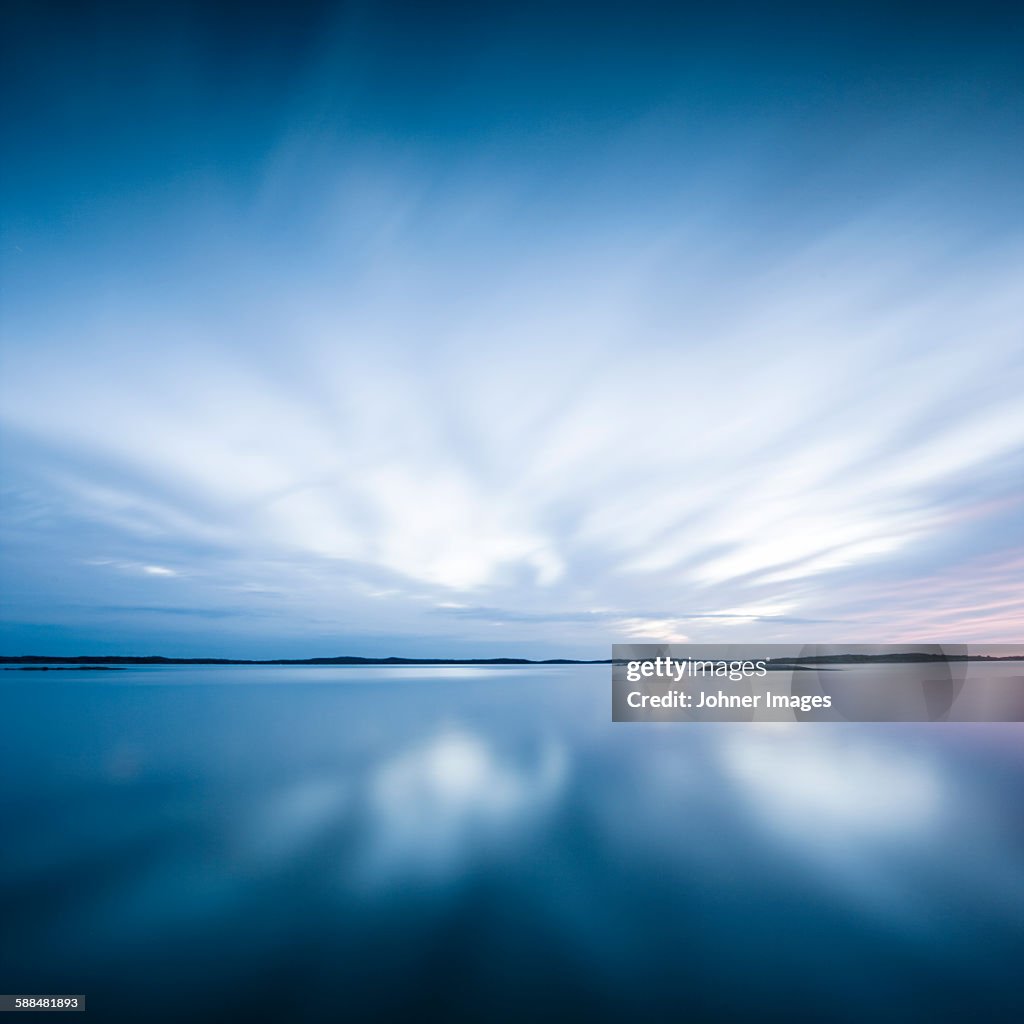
x: 305, y: 844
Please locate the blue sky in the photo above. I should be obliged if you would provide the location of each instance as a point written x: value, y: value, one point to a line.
x: 488, y: 330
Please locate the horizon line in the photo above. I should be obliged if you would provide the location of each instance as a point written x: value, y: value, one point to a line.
x: 356, y: 660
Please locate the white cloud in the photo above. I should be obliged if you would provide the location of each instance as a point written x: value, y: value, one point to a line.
x: 564, y: 433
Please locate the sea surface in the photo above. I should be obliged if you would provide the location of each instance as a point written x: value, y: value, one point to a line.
x: 482, y: 844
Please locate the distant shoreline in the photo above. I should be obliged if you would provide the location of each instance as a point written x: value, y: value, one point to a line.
x: 30, y: 660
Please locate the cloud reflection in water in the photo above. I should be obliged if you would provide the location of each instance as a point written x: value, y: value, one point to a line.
x: 432, y: 806
x: 397, y: 844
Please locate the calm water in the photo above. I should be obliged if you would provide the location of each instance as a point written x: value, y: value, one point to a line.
x: 300, y: 844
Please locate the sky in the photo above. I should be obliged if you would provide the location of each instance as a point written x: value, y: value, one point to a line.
x: 509, y: 329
